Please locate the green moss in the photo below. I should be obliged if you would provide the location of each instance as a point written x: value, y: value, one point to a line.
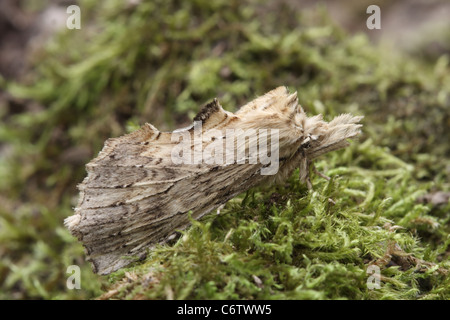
x: 158, y: 62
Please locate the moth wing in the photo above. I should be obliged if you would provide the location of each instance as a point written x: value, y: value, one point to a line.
x: 134, y: 196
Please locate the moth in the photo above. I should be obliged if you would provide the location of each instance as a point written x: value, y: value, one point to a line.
x: 142, y: 186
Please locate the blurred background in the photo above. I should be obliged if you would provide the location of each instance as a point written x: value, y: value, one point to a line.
x: 414, y: 26
x: 64, y: 92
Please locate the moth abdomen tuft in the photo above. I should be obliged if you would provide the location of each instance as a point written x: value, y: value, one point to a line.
x: 209, y: 109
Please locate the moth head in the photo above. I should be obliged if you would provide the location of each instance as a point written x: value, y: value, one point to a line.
x: 309, y: 130
x: 313, y: 130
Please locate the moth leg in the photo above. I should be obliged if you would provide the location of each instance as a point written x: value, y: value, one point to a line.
x: 308, y: 183
x: 220, y: 208
x: 304, y: 172
x: 320, y: 174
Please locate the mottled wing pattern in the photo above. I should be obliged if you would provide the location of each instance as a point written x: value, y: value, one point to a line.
x: 134, y: 196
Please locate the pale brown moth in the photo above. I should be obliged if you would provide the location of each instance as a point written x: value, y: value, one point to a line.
x: 135, y: 195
